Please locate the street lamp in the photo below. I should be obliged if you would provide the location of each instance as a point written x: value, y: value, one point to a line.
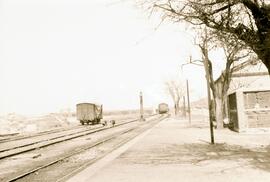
x: 207, y: 76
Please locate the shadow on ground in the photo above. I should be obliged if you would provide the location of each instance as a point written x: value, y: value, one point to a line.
x: 200, y: 154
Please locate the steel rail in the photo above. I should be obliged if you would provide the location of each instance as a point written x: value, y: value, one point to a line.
x: 56, y: 130
x: 87, y: 164
x: 107, y: 139
x: 21, y: 137
x: 55, y: 140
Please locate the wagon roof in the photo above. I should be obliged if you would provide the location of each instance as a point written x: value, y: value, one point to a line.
x: 163, y: 103
x: 88, y: 103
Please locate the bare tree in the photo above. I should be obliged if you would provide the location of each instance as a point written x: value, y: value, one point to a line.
x: 176, y: 90
x: 236, y: 24
x: 234, y: 51
x: 247, y: 20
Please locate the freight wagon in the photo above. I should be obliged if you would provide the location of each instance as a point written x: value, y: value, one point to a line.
x: 163, y: 108
x: 89, y: 113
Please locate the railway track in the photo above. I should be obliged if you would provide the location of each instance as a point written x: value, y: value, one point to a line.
x: 14, y: 152
x: 121, y: 143
x: 34, y: 139
x: 66, y: 156
x: 14, y: 137
x: 17, y: 136
x: 20, y: 146
x: 80, y: 150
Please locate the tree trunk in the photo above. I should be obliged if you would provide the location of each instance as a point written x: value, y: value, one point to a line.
x: 266, y: 61
x: 219, y: 112
x: 264, y: 56
x: 177, y: 108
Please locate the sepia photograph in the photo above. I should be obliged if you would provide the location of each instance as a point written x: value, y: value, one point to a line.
x: 135, y: 90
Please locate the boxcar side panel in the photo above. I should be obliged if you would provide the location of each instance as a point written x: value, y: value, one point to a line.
x: 86, y: 112
x: 163, y: 108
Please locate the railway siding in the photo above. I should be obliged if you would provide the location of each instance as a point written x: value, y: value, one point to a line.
x: 41, y: 156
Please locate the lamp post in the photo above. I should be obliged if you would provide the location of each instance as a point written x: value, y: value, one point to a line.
x: 207, y: 76
x: 209, y: 99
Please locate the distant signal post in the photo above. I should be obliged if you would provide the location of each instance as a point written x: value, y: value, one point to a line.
x: 141, y: 107
x: 189, y: 111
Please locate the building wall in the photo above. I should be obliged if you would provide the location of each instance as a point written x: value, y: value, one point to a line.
x: 250, y: 82
x: 249, y: 109
x: 257, y: 109
x: 254, y: 91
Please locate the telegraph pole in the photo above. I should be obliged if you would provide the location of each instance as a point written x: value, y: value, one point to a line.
x: 141, y: 107
x: 184, y: 107
x: 189, y: 112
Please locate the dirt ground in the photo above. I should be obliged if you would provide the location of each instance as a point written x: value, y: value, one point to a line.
x: 174, y: 150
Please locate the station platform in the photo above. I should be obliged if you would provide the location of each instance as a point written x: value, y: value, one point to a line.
x: 175, y: 150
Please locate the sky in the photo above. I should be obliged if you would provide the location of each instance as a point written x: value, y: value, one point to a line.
x: 57, y: 53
